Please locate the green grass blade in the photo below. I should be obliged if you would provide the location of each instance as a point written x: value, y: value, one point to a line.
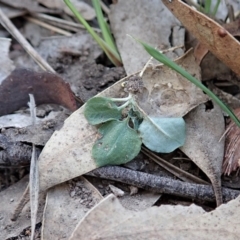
x: 216, y: 8
x: 107, y: 36
x: 207, y: 7
x: 111, y: 53
x: 166, y: 61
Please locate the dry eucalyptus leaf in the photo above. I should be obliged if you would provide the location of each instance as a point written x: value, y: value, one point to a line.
x: 204, y: 129
x: 46, y: 88
x: 83, y: 8
x: 166, y: 93
x: 65, y: 206
x: 6, y: 64
x: 68, y: 152
x: 110, y: 220
x: 21, y: 120
x: 9, y: 199
x: 141, y: 19
x: 218, y: 40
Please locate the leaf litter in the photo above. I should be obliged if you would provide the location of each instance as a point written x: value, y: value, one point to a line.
x: 110, y: 220
x: 153, y: 111
x: 78, y: 136
x: 125, y: 16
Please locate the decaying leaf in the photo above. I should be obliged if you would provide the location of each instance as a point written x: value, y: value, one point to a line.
x: 165, y: 93
x: 232, y: 150
x: 126, y: 15
x: 204, y: 129
x: 109, y: 220
x: 46, y: 88
x: 218, y: 40
x: 68, y: 152
x: 9, y: 199
x: 66, y: 205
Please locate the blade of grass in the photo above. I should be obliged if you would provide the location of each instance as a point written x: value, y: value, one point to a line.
x: 216, y: 8
x: 166, y: 61
x: 111, y: 53
x: 207, y: 7
x: 107, y: 36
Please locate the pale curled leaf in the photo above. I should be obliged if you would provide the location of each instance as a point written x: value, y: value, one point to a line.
x: 119, y: 144
x: 152, y: 30
x: 99, y: 110
x: 61, y: 205
x: 204, y: 129
x: 162, y: 134
x: 109, y: 220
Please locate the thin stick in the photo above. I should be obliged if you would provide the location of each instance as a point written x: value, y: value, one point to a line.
x: 21, y: 204
x: 63, y: 23
x: 48, y: 26
x: 185, y: 176
x: 162, y: 184
x: 34, y: 174
x: 104, y: 7
x: 23, y: 42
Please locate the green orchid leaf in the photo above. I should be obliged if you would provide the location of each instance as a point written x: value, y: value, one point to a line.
x: 119, y: 144
x: 100, y: 109
x: 135, y: 117
x: 162, y: 134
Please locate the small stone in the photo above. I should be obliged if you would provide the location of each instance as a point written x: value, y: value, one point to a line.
x: 72, y: 194
x: 116, y: 191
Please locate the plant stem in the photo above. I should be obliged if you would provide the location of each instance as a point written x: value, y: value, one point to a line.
x: 121, y: 99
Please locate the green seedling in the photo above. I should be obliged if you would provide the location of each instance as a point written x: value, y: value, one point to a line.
x: 108, y: 44
x: 124, y: 127
x: 166, y: 61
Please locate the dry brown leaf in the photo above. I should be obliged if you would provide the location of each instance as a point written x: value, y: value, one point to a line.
x: 204, y: 129
x: 68, y: 152
x: 109, y: 220
x: 232, y: 150
x: 46, y: 88
x: 130, y: 17
x: 219, y: 41
x: 200, y: 52
x: 64, y: 210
